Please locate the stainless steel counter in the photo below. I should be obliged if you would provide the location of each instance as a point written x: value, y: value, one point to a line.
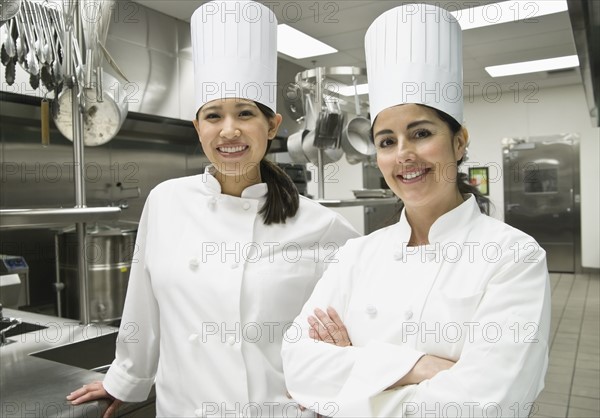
x: 35, y: 386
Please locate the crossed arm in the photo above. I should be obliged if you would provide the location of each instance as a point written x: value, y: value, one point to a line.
x: 327, y: 326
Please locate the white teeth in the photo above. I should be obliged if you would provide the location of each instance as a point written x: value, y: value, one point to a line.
x: 230, y: 150
x: 410, y: 176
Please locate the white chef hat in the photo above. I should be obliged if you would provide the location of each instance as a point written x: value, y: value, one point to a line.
x: 414, y: 55
x: 234, y: 47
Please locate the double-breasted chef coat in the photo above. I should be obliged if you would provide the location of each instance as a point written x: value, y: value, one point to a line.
x: 478, y: 295
x: 211, y: 292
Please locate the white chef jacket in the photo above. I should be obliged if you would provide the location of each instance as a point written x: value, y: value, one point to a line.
x: 478, y: 295
x: 211, y: 292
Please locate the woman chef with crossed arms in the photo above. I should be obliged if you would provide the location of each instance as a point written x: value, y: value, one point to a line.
x: 225, y: 259
x: 447, y: 312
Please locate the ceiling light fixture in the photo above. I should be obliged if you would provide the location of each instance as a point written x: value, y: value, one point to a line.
x: 506, y: 11
x: 533, y: 66
x: 299, y: 45
x: 349, y: 90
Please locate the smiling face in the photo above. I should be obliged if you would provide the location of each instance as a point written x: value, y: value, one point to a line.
x: 417, y: 154
x: 234, y: 134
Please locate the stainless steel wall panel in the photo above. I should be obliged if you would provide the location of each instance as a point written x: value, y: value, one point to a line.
x: 162, y: 33
x: 134, y: 61
x: 129, y: 23
x: 184, y: 40
x: 33, y: 177
x: 161, y: 93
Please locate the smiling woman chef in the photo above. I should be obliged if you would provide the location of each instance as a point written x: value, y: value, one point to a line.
x: 225, y: 259
x: 447, y: 312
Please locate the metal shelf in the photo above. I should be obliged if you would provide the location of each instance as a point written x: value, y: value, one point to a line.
x: 43, y: 218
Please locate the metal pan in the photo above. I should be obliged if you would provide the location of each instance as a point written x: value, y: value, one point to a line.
x: 356, y: 140
x: 330, y: 155
x: 294, y: 146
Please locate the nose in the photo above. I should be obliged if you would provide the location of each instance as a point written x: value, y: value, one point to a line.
x: 229, y: 129
x: 405, y: 151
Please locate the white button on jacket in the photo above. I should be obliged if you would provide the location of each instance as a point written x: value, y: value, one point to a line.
x: 170, y: 299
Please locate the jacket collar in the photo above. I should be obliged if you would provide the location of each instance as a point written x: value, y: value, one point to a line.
x: 449, y: 226
x: 213, y: 187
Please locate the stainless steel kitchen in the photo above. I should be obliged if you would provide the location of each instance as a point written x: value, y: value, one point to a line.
x: 101, y: 116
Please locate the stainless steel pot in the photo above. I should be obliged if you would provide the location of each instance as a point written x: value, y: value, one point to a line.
x: 356, y: 140
x: 102, y: 119
x: 294, y: 146
x: 8, y: 10
x: 330, y: 155
x: 109, y: 251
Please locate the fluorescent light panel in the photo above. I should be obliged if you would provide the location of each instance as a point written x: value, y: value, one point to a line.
x: 299, y: 45
x: 349, y: 90
x: 533, y: 66
x: 507, y: 11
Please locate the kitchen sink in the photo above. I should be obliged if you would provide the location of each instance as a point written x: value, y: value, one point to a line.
x: 92, y: 354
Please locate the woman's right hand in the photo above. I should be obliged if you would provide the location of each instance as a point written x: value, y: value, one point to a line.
x: 92, y: 392
x: 328, y: 327
x: 426, y: 368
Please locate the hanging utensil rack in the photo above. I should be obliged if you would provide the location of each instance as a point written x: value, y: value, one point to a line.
x: 321, y: 85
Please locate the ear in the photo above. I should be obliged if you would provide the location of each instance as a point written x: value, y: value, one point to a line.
x: 274, y: 124
x: 197, y: 127
x: 461, y: 140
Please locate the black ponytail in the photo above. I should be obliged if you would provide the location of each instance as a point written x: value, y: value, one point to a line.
x: 283, y: 198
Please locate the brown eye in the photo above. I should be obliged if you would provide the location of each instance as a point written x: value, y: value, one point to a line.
x: 422, y: 133
x: 386, y: 142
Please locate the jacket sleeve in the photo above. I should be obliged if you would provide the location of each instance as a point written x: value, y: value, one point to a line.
x: 504, y: 360
x: 131, y: 374
x: 324, y: 377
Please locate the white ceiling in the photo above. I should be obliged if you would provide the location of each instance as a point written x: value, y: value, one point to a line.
x: 343, y: 24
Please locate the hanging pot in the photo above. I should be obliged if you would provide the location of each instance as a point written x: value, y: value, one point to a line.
x: 294, y: 146
x: 330, y: 155
x: 328, y: 133
x: 356, y: 140
x: 9, y: 10
x: 101, y: 119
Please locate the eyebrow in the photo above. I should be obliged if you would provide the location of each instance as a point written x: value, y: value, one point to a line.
x: 409, y: 126
x: 219, y: 107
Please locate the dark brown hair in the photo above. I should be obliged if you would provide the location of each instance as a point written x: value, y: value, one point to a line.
x: 283, y: 198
